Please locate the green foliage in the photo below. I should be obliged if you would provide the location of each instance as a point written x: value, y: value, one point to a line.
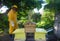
x: 3, y: 22
x: 22, y: 4
x: 54, y: 4
x: 47, y: 20
x: 47, y: 1
x: 36, y: 17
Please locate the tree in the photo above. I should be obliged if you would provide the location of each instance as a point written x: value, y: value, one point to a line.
x: 23, y: 7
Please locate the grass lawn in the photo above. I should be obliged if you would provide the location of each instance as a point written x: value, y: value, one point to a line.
x: 20, y: 34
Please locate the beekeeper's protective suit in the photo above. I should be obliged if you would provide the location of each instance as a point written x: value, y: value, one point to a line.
x: 12, y: 18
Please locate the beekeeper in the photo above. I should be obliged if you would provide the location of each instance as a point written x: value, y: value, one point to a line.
x: 12, y: 18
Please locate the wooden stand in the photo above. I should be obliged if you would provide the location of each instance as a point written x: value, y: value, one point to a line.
x: 30, y: 37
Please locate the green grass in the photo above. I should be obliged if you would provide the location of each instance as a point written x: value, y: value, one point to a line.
x: 20, y: 34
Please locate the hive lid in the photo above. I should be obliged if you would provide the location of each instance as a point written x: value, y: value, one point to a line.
x: 41, y: 30
x: 18, y: 31
x: 27, y: 23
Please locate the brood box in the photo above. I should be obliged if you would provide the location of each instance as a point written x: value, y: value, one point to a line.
x: 30, y: 27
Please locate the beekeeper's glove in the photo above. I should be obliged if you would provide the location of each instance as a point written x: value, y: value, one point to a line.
x: 12, y: 23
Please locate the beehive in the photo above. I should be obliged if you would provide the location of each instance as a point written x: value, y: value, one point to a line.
x: 29, y: 27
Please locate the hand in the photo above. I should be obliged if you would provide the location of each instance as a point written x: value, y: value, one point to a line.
x: 12, y: 23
